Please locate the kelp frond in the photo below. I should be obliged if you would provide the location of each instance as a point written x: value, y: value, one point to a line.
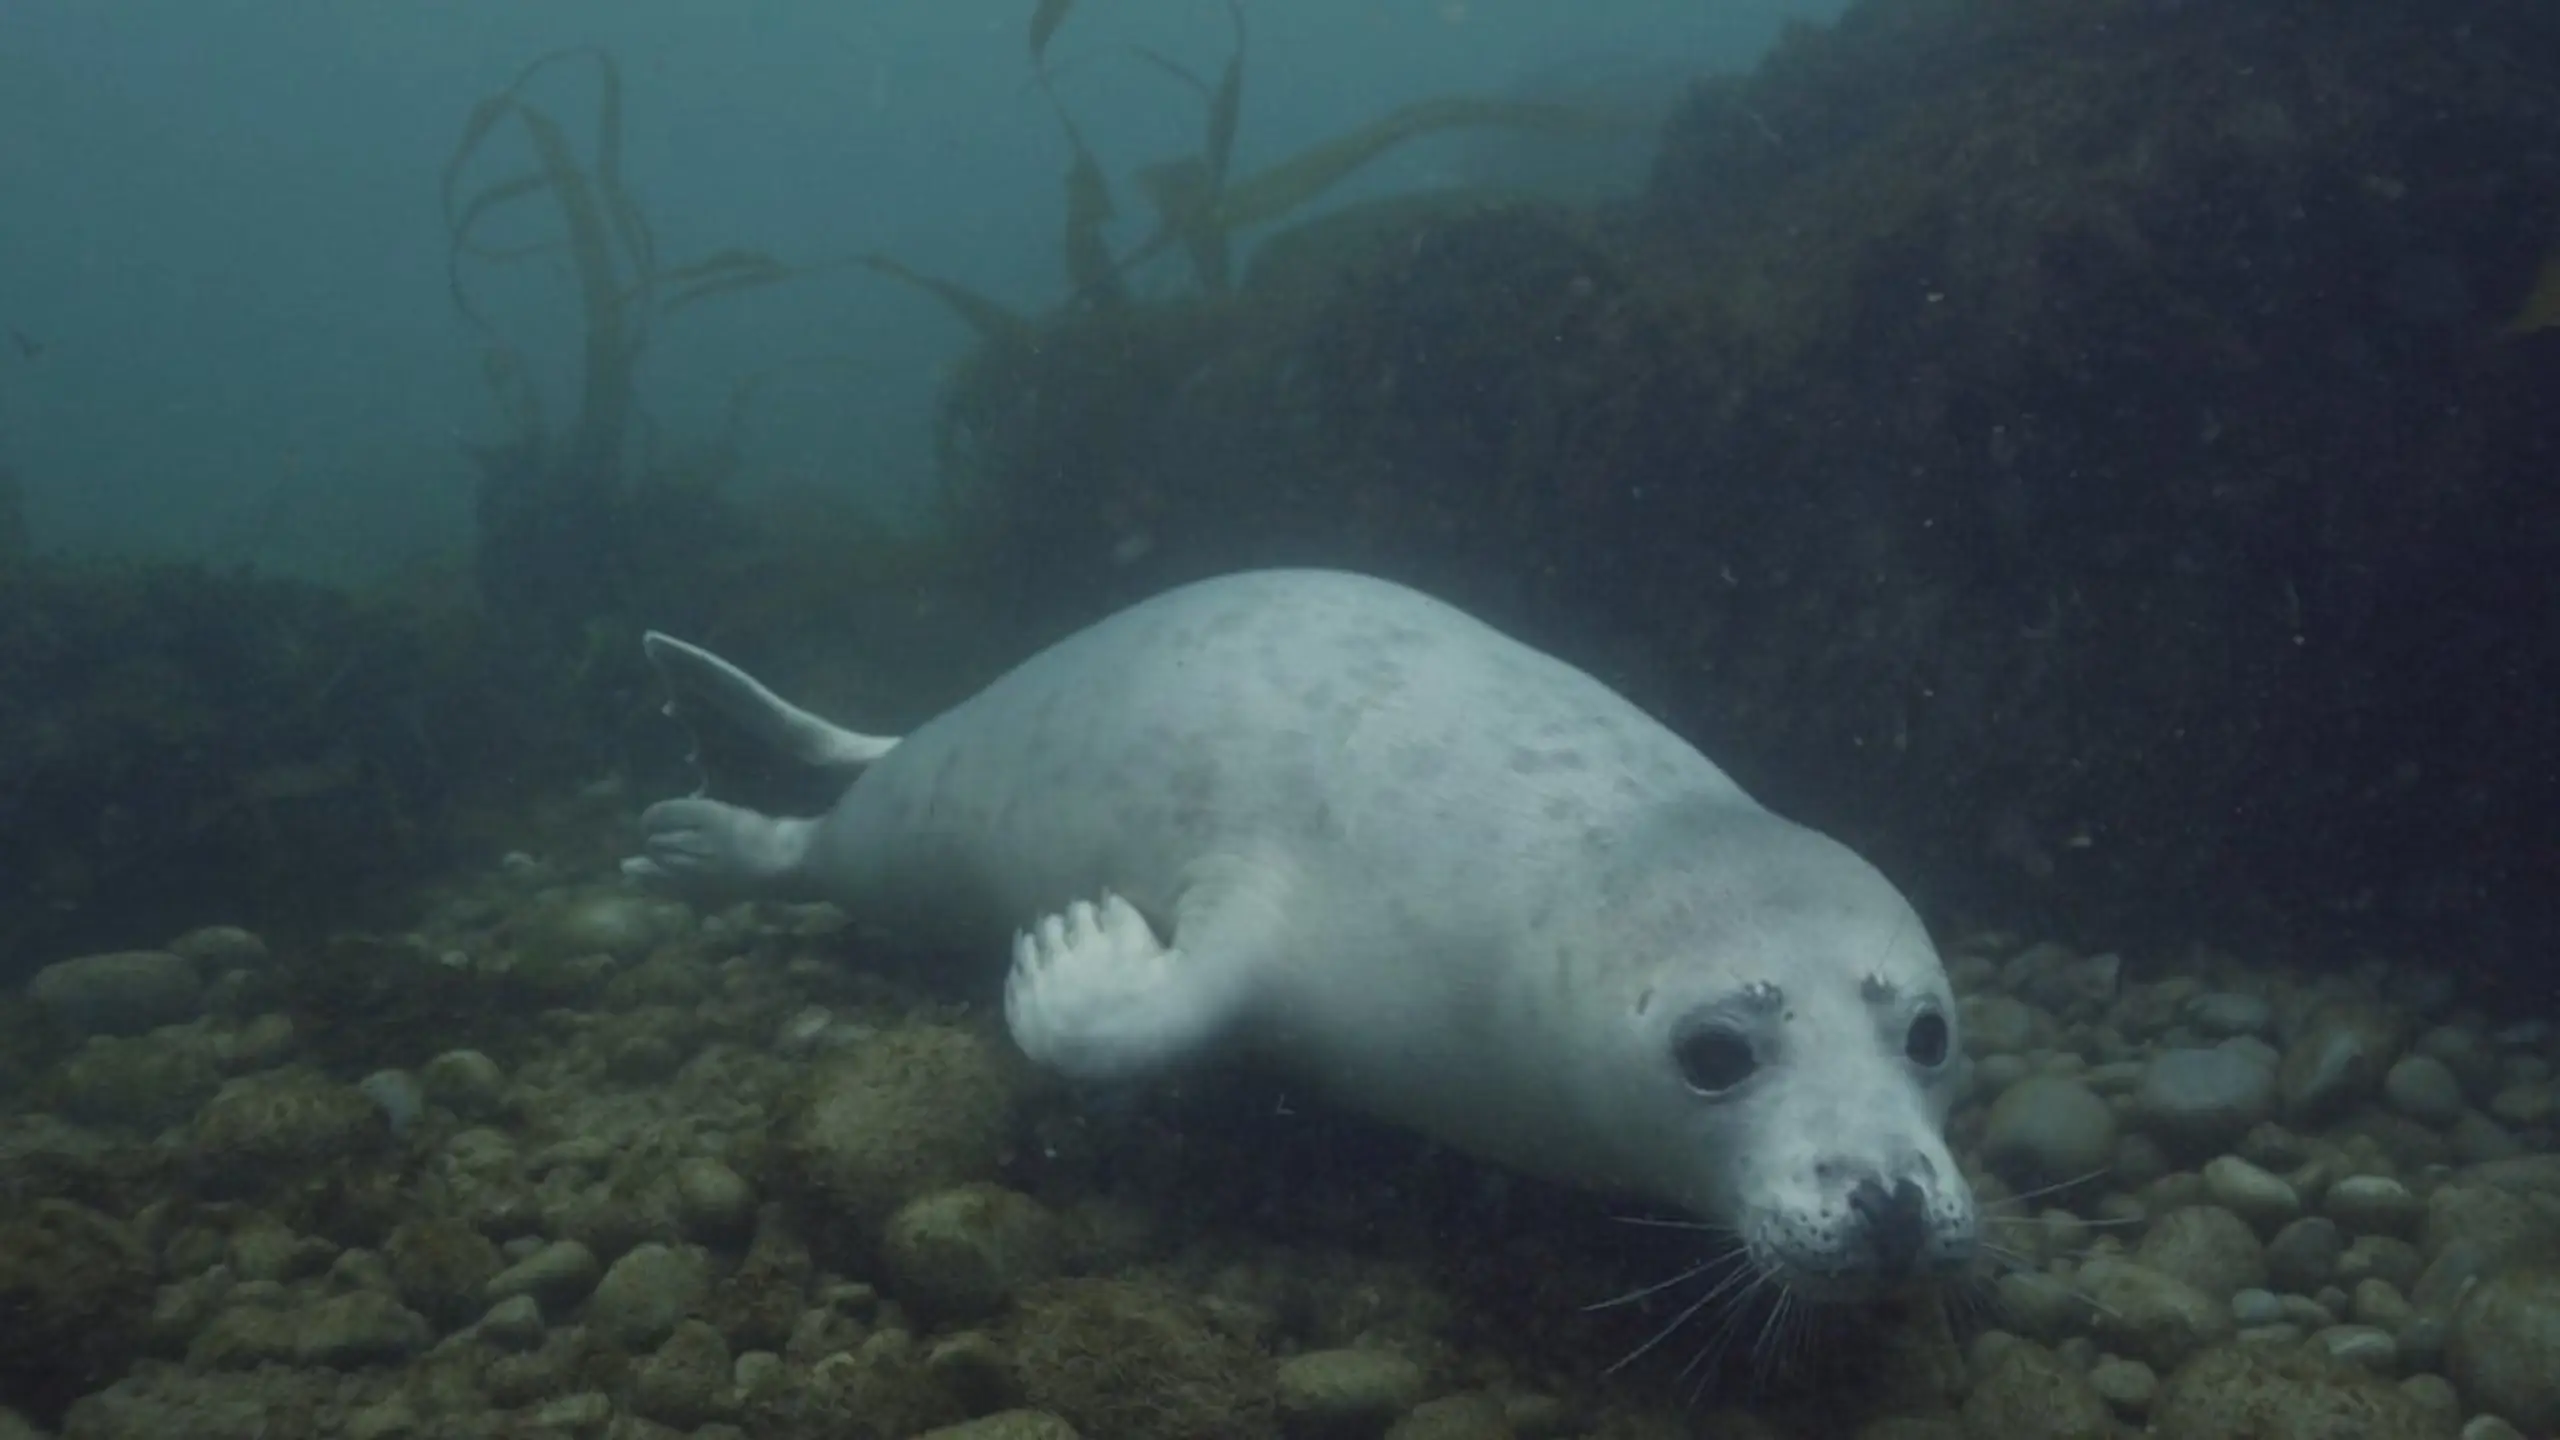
x: 1202, y: 212
x: 1045, y: 21
x: 992, y: 319
x: 622, y: 288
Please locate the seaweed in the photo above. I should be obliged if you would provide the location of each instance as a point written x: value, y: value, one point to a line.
x: 1197, y: 208
x: 549, y: 511
x: 1044, y: 24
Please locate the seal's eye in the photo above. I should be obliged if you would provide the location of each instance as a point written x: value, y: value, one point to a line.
x: 1926, y: 1042
x: 1714, y: 1059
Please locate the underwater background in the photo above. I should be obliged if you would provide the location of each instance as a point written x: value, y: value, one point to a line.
x: 2095, y: 457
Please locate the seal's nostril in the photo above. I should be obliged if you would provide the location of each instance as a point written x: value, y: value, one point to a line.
x: 1896, y: 1221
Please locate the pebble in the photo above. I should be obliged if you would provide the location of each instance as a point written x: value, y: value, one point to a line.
x: 2047, y: 1130
x: 2261, y: 1197
x: 2372, y: 1205
x: 2201, y: 1101
x: 642, y: 1296
x: 361, y: 1328
x: 125, y: 992
x: 713, y: 1202
x: 2338, y: 1060
x: 2129, y: 1386
x: 213, y: 949
x: 2224, y: 1013
x: 559, y: 1275
x: 2363, y: 1346
x: 2255, y: 1307
x: 514, y: 1323
x: 2423, y: 1088
x: 1344, y: 1390
x: 2206, y: 1246
x: 2155, y: 1318
x: 466, y: 1082
x: 2504, y: 1348
x: 398, y: 1095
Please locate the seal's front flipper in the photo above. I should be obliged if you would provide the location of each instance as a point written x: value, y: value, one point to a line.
x: 1094, y: 994
x: 712, y: 850
x: 753, y: 747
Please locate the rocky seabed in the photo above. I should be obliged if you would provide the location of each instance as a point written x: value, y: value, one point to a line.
x: 725, y: 1183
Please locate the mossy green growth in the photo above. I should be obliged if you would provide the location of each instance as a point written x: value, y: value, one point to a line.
x: 1139, y: 1361
x: 75, y: 1298
x: 263, y: 1130
x: 915, y: 1109
x: 139, y: 1083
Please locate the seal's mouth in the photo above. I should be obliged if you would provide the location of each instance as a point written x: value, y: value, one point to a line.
x: 1869, y: 1243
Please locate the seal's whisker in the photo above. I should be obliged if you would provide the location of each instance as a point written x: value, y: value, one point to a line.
x: 1664, y: 1222
x: 1710, y: 1355
x: 2056, y: 1188
x: 2064, y: 1217
x: 1749, y: 1277
x: 1658, y: 1286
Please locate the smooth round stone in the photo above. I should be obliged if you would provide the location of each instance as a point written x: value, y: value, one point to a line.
x: 2204, y: 1100
x: 2504, y: 1350
x: 466, y: 1082
x: 2223, y: 1013
x: 2361, y: 1345
x: 2128, y: 1386
x: 2305, y: 1253
x: 1348, y: 1389
x: 2254, y: 1307
x: 2255, y: 1194
x: 1998, y: 1024
x: 712, y: 1200
x: 2424, y: 1089
x: 2338, y: 1060
x: 2047, y: 1130
x: 126, y: 992
x: 2379, y: 1303
x: 2372, y: 1205
x: 2527, y: 1106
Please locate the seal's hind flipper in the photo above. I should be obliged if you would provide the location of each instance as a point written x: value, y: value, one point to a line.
x: 754, y: 748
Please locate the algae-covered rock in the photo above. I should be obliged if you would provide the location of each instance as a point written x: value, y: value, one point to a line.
x: 357, y: 1329
x: 75, y: 1304
x: 2031, y: 1394
x: 264, y: 1129
x: 558, y: 1275
x: 2049, y: 1130
x: 2208, y: 1247
x: 642, y: 1296
x: 2504, y: 1349
x: 123, y: 993
x: 960, y: 1254
x: 2261, y: 1392
x: 2155, y: 1318
x: 918, y: 1109
x: 686, y: 1382
x: 609, y: 922
x: 1454, y: 1417
x: 142, y: 1083
x: 443, y: 1268
x: 466, y: 1082
x: 1139, y: 1361
x: 1007, y: 1425
x: 712, y: 1201
x: 1346, y: 1392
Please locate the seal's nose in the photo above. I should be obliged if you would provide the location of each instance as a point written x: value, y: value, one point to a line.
x: 1897, y: 1221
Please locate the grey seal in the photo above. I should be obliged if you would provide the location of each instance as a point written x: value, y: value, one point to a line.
x: 1437, y: 874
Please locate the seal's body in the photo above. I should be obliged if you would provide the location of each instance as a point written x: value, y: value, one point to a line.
x: 1450, y: 880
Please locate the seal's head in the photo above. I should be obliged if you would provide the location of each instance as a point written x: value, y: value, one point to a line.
x: 1801, y: 1046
